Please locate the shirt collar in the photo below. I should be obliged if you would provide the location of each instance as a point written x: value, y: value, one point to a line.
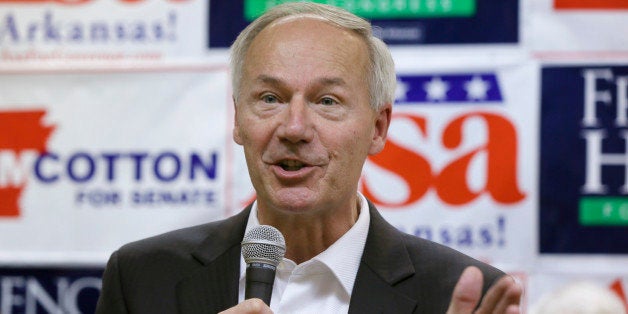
x: 343, y: 256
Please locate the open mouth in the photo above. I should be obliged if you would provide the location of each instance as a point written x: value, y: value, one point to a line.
x: 291, y: 165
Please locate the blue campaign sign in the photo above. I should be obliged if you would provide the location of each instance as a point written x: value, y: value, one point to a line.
x: 488, y: 22
x: 584, y: 159
x: 49, y: 290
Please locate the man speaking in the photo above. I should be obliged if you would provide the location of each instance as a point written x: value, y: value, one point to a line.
x: 313, y: 93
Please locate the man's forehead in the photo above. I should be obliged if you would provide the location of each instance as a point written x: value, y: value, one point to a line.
x: 287, y: 43
x: 294, y: 29
x: 304, y: 29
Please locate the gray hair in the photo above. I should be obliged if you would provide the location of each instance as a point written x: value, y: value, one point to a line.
x: 583, y: 297
x: 382, y: 80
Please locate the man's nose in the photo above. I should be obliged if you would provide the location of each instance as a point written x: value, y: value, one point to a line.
x: 296, y: 125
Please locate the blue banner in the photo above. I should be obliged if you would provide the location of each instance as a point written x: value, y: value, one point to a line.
x: 450, y: 88
x: 492, y: 22
x: 584, y: 160
x: 49, y: 290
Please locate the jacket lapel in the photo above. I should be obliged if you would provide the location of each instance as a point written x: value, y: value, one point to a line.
x: 385, y: 263
x: 213, y: 286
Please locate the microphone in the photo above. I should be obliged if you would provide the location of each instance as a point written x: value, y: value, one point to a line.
x: 263, y: 248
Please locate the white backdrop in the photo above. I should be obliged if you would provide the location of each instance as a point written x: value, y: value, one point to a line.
x: 116, y: 119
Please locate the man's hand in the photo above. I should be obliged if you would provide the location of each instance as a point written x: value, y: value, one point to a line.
x: 503, y: 297
x: 249, y: 306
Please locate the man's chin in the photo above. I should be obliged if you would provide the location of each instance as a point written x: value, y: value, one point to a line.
x: 295, y: 207
x: 295, y: 200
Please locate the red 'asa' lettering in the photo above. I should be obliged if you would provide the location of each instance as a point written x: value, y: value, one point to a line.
x: 451, y: 183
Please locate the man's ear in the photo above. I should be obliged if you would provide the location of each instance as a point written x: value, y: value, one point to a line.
x: 237, y: 137
x: 382, y: 122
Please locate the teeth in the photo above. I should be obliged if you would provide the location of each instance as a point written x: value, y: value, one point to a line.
x: 291, y: 165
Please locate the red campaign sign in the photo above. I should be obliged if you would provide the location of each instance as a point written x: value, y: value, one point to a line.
x: 19, y: 131
x: 590, y: 4
x: 451, y: 183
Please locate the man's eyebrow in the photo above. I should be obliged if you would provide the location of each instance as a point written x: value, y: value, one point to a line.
x: 269, y: 80
x: 331, y: 81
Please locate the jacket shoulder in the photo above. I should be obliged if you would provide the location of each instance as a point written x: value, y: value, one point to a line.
x: 429, y: 256
x: 173, y: 242
x: 142, y: 276
x: 183, y: 242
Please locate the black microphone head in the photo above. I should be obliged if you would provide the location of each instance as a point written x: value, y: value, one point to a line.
x: 263, y: 244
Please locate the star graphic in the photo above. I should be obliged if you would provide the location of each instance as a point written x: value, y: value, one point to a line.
x: 436, y: 89
x: 401, y: 91
x: 476, y: 88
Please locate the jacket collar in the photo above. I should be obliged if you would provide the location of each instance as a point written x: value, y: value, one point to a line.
x: 214, y: 286
x: 385, y: 263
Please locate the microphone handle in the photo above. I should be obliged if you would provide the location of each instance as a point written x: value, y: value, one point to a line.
x: 259, y: 281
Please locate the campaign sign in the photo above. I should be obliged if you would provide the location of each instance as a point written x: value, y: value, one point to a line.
x: 576, y: 29
x: 458, y: 165
x: 49, y: 290
x: 90, y: 160
x: 584, y: 159
x: 103, y: 31
x: 405, y: 22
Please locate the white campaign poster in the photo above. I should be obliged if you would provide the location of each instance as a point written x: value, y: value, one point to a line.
x: 91, y: 160
x: 460, y: 163
x: 564, y: 29
x: 102, y: 30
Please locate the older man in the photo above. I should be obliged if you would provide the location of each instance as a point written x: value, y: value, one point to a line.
x: 313, y: 92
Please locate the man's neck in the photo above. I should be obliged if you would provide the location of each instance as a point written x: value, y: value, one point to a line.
x: 308, y: 234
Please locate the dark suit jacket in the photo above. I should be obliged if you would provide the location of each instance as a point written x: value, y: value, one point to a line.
x: 197, y: 270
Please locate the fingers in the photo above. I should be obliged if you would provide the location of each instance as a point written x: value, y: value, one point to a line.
x: 467, y: 292
x: 503, y: 297
x: 249, y: 306
x: 513, y: 309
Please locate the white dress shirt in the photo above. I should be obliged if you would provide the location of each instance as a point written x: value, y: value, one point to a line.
x: 322, y: 284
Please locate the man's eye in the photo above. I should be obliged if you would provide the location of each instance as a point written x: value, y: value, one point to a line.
x: 328, y: 101
x: 269, y: 99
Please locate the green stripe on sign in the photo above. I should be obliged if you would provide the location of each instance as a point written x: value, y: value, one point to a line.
x: 378, y: 9
x: 604, y: 211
